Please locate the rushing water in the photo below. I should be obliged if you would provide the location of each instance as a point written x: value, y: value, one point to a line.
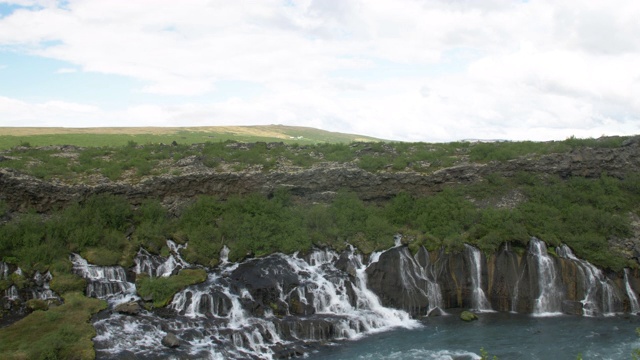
x: 283, y: 305
x: 479, y: 300
x: 505, y: 335
x: 550, y: 298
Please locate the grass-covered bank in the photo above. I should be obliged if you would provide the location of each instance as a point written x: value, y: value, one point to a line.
x: 62, y: 332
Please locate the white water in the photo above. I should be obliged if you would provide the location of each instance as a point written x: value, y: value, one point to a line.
x: 599, y: 292
x: 104, y: 282
x: 549, y: 301
x: 417, y: 278
x: 12, y: 293
x: 4, y: 270
x: 43, y: 291
x: 633, y: 298
x: 215, y: 311
x: 478, y: 298
x: 155, y: 265
x: 218, y: 318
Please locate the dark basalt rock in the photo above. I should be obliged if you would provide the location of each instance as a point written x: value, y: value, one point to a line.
x: 265, y: 279
x: 572, y: 307
x: 396, y: 278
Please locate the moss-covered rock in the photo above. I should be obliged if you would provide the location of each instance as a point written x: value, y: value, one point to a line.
x: 468, y: 316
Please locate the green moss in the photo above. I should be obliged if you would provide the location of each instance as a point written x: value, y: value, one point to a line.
x: 468, y: 316
x: 36, y: 304
x: 63, y: 332
x: 64, y: 283
x: 162, y: 289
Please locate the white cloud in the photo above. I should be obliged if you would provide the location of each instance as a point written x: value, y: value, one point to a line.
x: 66, y: 71
x: 409, y: 69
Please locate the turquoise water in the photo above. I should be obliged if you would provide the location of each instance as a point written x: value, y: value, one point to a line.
x: 507, y: 336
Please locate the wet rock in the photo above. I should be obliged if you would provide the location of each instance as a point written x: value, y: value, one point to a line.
x: 436, y: 312
x: 397, y: 279
x: 281, y: 351
x: 266, y: 279
x: 572, y: 307
x: 170, y: 340
x: 129, y: 308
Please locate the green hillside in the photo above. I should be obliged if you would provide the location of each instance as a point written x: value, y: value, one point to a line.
x: 89, y: 137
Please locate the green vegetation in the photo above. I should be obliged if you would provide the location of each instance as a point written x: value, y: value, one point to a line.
x: 161, y: 289
x: 62, y: 332
x: 115, y: 137
x: 484, y: 355
x: 582, y: 213
x: 132, y: 161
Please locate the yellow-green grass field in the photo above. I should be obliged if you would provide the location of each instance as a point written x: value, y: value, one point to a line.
x: 96, y: 137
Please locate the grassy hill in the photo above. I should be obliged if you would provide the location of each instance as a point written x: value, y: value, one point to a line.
x: 88, y: 137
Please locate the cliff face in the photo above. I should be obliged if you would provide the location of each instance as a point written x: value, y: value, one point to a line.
x: 317, y: 183
x: 533, y: 282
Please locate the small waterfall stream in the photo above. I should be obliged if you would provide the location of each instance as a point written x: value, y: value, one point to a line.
x: 549, y: 300
x: 599, y: 291
x: 104, y: 282
x: 633, y: 297
x: 479, y: 299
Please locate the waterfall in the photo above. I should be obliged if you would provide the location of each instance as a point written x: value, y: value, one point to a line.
x: 4, y: 270
x: 42, y: 291
x: 599, y: 292
x: 103, y: 282
x: 479, y: 300
x: 259, y: 308
x: 12, y: 293
x: 549, y: 301
x: 633, y: 298
x: 158, y: 266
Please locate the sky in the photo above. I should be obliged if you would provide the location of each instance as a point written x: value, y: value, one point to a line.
x: 408, y: 70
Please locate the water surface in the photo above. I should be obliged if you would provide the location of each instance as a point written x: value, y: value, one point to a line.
x: 505, y: 335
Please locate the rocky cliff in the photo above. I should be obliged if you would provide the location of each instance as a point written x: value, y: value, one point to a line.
x: 316, y: 183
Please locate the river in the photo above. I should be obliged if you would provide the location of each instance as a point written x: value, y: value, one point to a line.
x: 505, y: 335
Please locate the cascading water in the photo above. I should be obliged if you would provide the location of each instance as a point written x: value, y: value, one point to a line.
x: 479, y: 300
x: 279, y: 306
x: 262, y: 308
x: 155, y: 265
x: 103, y: 282
x: 633, y: 298
x: 599, y: 292
x: 422, y: 279
x: 549, y: 301
x: 42, y: 291
x: 4, y: 270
